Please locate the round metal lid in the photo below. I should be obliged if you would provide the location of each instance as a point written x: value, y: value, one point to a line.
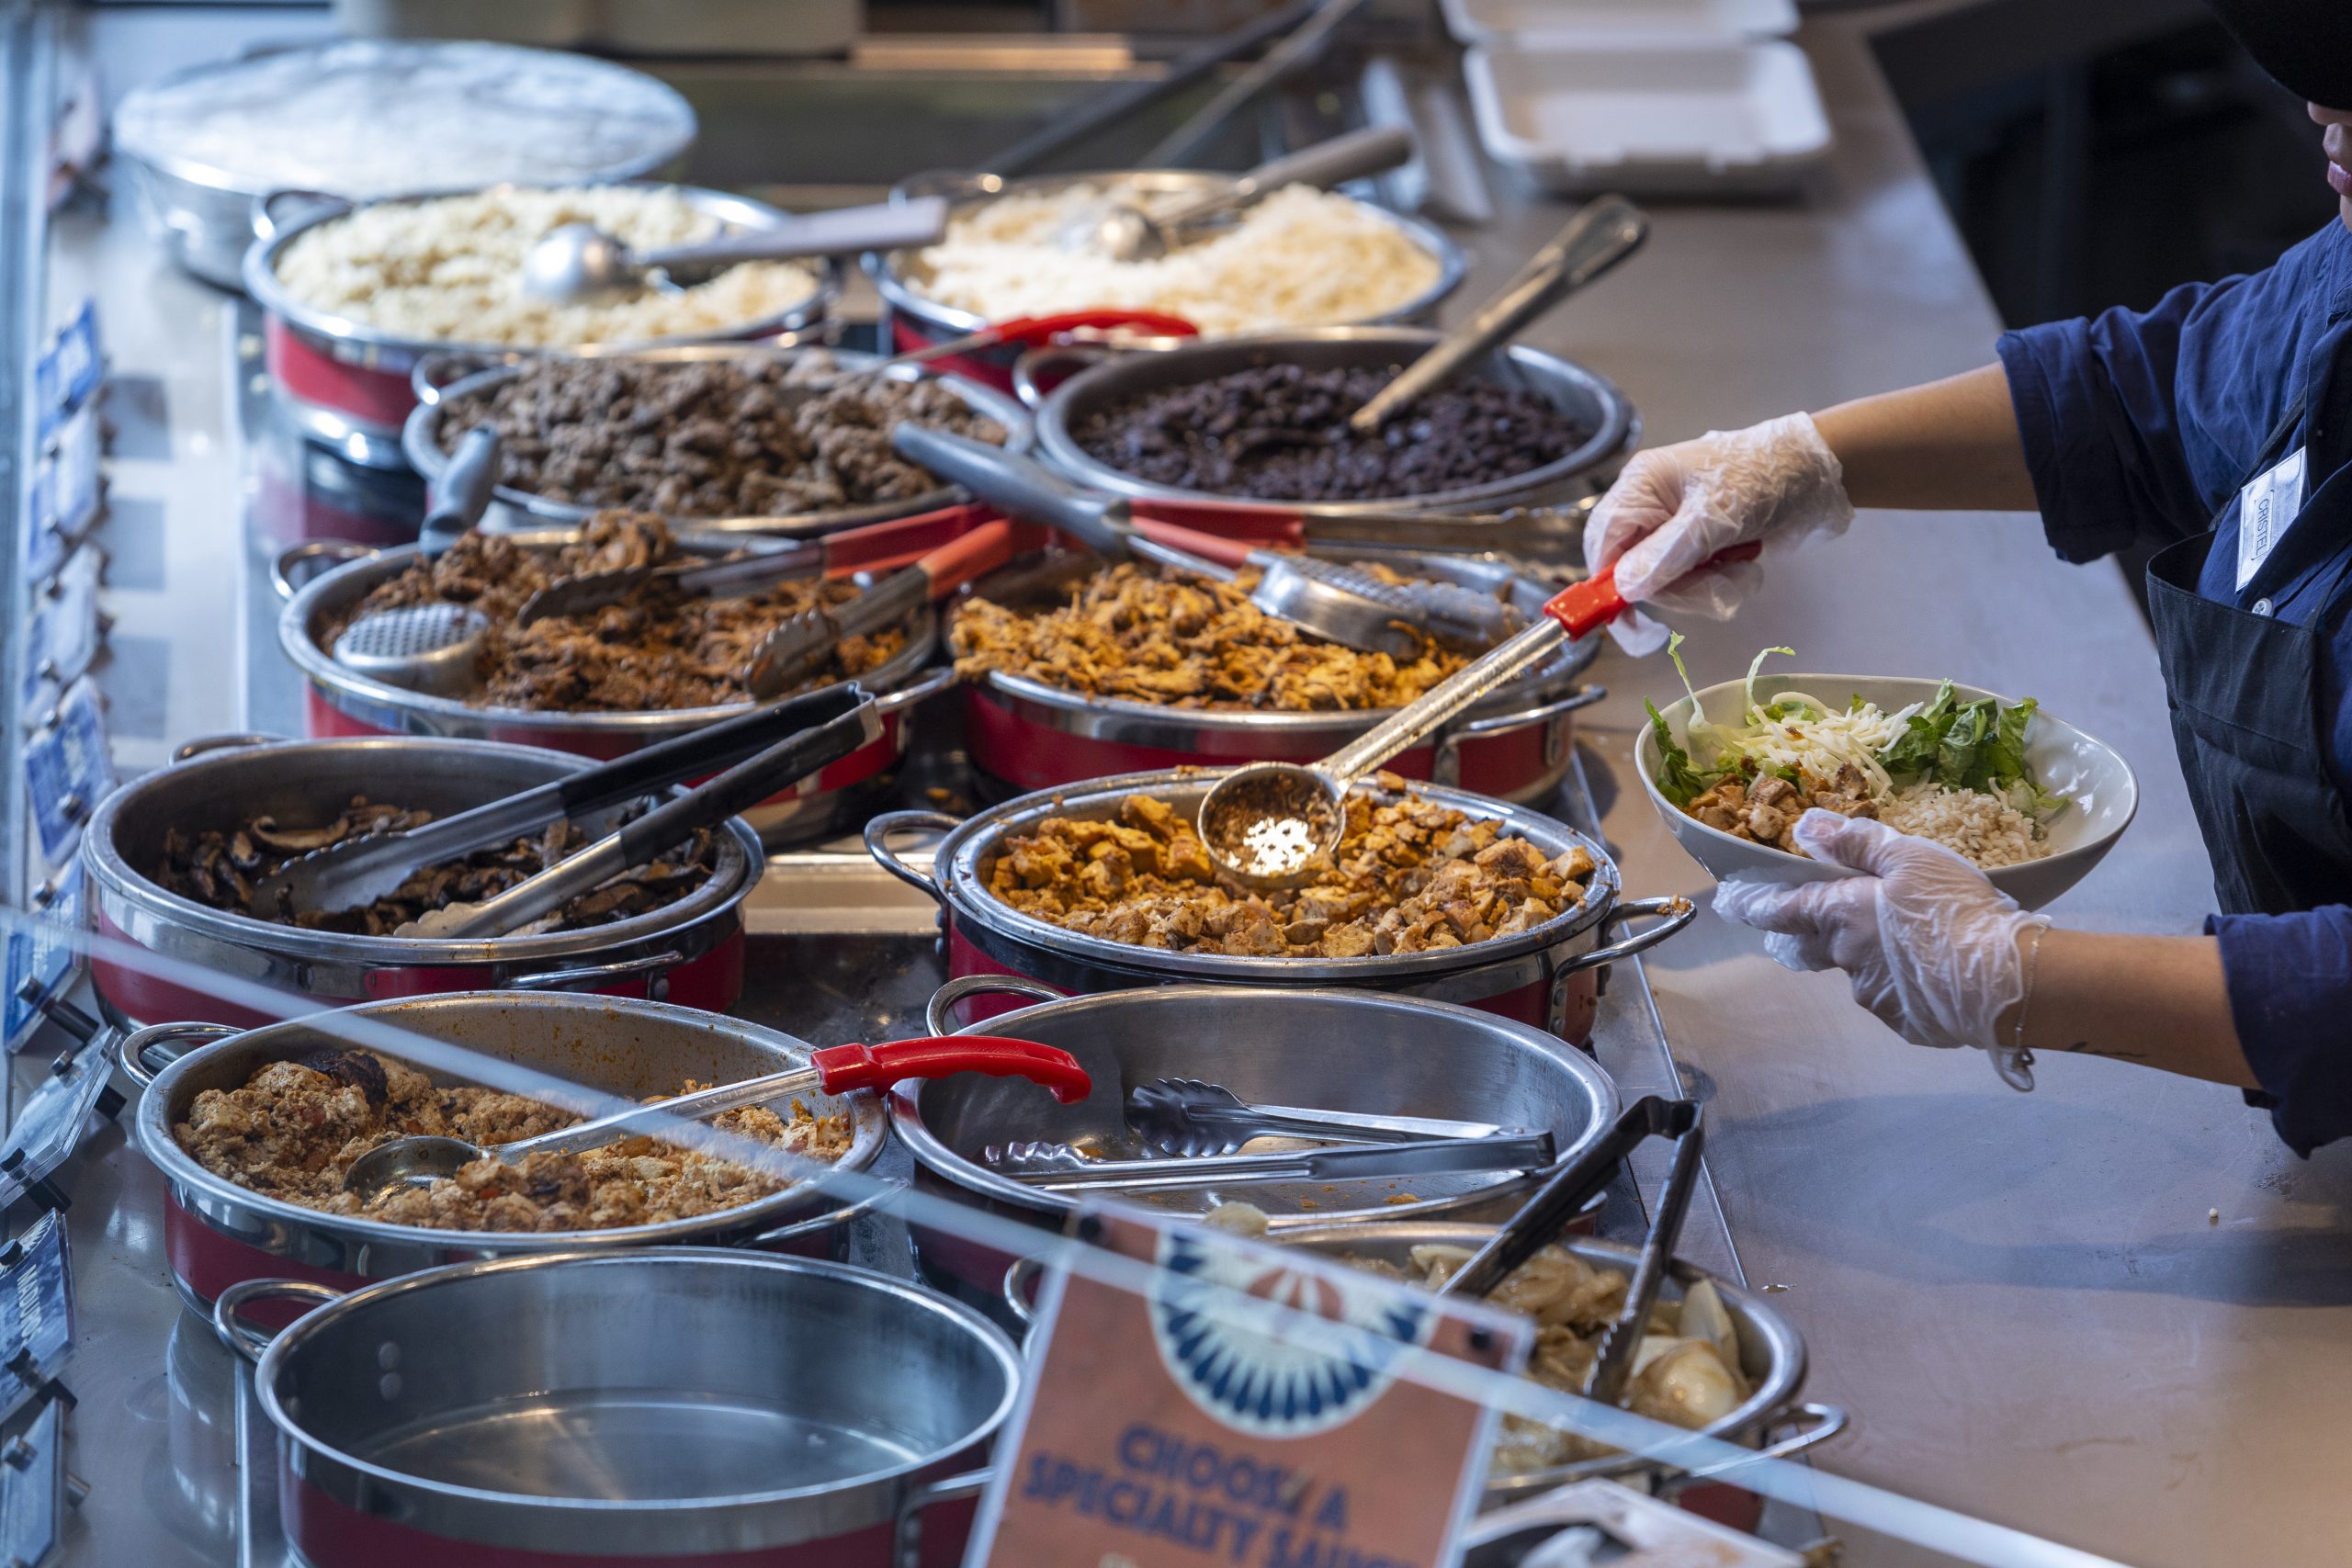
x: 368, y: 118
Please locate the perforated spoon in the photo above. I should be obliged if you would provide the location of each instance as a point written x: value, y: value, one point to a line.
x: 1266, y: 825
x: 418, y: 1158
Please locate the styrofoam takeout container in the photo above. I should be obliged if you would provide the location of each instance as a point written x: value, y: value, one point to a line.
x: 1688, y: 118
x: 1618, y: 21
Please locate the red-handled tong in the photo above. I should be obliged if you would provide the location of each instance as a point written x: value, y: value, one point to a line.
x: 1586, y: 606
x: 786, y: 655
x: 850, y: 1067
x: 1035, y: 331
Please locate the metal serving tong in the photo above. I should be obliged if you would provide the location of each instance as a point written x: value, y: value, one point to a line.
x: 360, y: 870
x: 744, y: 785
x: 1565, y: 1192
x: 420, y: 1157
x: 793, y: 647
x: 876, y: 546
x: 1059, y: 1169
x: 1334, y: 602
x: 1602, y: 233
x: 1191, y: 1118
x: 1614, y: 1362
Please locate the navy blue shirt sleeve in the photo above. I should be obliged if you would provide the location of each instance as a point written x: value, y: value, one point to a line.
x: 2139, y: 424
x: 2289, y: 979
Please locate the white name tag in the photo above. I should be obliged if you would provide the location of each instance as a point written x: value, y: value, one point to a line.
x: 2267, y: 508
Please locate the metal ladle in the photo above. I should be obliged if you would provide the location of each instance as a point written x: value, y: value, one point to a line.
x: 1117, y: 228
x: 579, y: 263
x: 1267, y: 823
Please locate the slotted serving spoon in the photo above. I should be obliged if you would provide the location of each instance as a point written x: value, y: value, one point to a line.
x: 1265, y: 824
x: 579, y: 263
x: 1188, y: 1117
x: 358, y: 872
x: 745, y: 785
x: 418, y: 1158
x: 1337, y: 603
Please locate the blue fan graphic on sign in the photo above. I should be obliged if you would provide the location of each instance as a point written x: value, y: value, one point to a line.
x: 1265, y: 1344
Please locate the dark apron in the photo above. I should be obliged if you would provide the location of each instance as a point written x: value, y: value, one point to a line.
x: 2249, y: 710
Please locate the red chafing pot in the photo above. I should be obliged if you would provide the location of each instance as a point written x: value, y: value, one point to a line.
x: 1548, y: 976
x: 690, y: 951
x: 346, y: 383
x: 340, y: 702
x: 220, y: 1234
x: 721, y: 1409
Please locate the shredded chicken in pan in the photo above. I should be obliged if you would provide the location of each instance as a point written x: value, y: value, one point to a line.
x: 659, y: 648
x: 292, y: 1130
x: 1181, y: 642
x: 1409, y: 877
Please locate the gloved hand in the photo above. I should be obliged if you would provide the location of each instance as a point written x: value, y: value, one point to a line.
x: 1674, y: 506
x: 1931, y: 947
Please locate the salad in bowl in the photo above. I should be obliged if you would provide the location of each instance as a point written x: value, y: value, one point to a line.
x: 2032, y: 802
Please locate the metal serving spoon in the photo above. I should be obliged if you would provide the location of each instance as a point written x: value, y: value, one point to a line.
x: 1186, y: 1116
x: 418, y: 1158
x: 1117, y: 228
x: 579, y: 263
x: 1264, y: 825
x: 1602, y: 233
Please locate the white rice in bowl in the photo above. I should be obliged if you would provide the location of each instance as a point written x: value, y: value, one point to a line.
x: 1300, y: 258
x: 450, y: 269
x: 1981, y: 828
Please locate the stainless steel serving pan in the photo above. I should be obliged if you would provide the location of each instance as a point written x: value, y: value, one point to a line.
x: 1514, y: 747
x: 1545, y: 977
x: 346, y: 383
x: 218, y: 1233
x: 1771, y: 1353
x: 443, y: 381
x: 690, y: 951
x: 340, y: 702
x: 1342, y: 1050
x: 1592, y: 400
x: 914, y: 320
x: 712, y: 1406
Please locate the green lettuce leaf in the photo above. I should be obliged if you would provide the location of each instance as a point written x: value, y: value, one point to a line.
x: 1677, y: 779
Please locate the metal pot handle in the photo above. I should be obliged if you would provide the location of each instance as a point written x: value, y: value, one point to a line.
x: 877, y: 844
x: 939, y: 1013
x: 1817, y: 1423
x: 1016, y: 1290
x: 130, y: 1049
x: 250, y: 1342
x: 655, y: 966
x: 905, y: 1550
x: 930, y: 683
x: 264, y: 210
x: 235, y: 739
x: 1675, y: 911
x: 1046, y: 356
x: 340, y: 552
x: 441, y: 369
x: 1445, y: 766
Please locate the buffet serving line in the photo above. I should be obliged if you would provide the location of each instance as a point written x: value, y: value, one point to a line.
x: 1969, y: 1271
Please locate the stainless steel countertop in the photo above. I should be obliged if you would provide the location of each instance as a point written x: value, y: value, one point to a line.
x: 2020, y: 1297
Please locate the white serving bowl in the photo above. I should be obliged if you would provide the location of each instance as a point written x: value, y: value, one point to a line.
x: 2066, y: 761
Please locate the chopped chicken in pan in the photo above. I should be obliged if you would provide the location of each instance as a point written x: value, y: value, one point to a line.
x: 1409, y: 875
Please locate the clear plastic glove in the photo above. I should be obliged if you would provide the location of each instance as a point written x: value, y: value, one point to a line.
x: 1674, y: 506
x: 1930, y: 945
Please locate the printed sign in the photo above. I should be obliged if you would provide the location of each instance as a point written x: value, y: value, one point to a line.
x: 43, y: 953
x: 65, y: 496
x: 1246, y: 1410
x: 68, y: 371
x: 64, y: 638
x: 36, y: 1310
x: 68, y: 771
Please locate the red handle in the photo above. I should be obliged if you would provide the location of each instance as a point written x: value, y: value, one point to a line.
x: 1586, y: 606
x: 958, y: 562
x: 902, y: 541
x: 1208, y: 546
x: 1279, y: 527
x: 843, y: 1068
x: 1037, y: 330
